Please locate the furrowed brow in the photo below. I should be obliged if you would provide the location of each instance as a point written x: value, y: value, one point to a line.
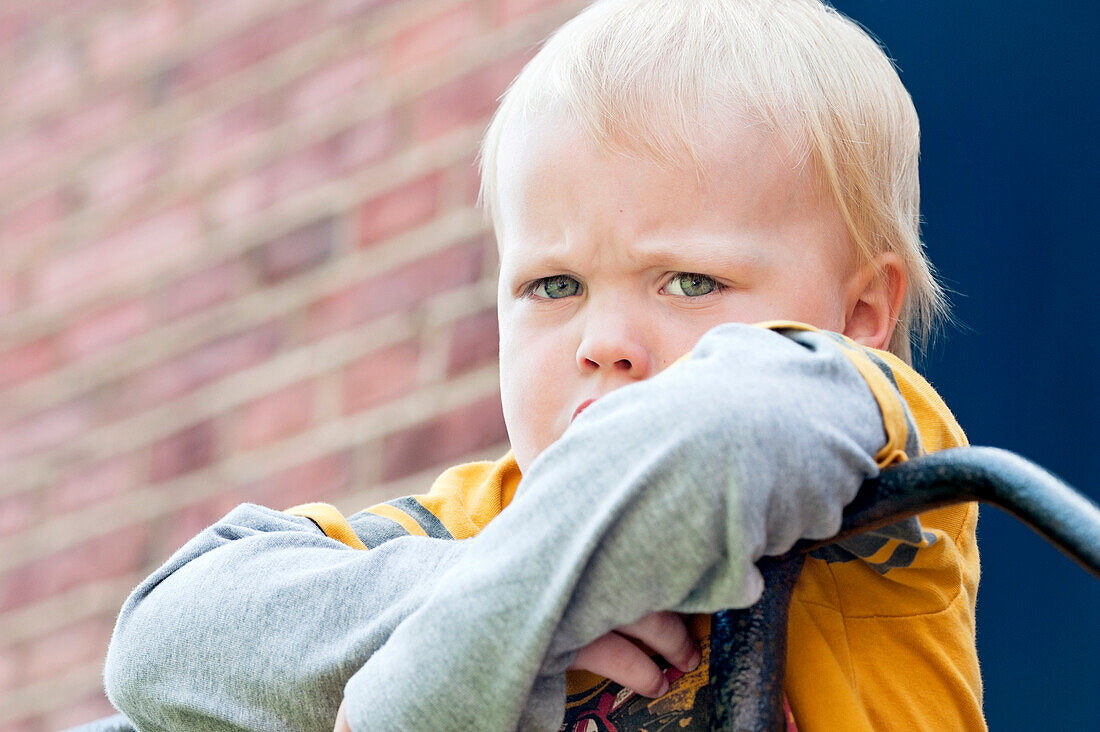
x: 700, y: 255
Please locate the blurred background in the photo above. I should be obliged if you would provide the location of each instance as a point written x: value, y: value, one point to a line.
x: 239, y: 260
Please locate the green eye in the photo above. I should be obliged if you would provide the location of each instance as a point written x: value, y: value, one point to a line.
x: 556, y: 287
x: 691, y: 284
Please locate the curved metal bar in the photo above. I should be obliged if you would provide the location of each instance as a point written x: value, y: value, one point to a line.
x: 748, y: 642
x: 741, y: 670
x: 998, y: 477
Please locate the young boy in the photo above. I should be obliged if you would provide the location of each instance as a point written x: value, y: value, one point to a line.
x: 662, y: 173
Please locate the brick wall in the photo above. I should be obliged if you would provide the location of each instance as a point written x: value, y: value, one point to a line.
x: 239, y: 260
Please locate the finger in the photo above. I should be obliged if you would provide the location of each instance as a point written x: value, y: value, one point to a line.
x: 614, y: 657
x: 667, y: 634
x: 341, y: 720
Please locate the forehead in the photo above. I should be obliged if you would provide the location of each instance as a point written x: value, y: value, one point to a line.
x: 552, y: 177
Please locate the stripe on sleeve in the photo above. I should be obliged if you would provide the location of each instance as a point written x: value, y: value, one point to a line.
x: 330, y: 521
x: 865, y: 545
x: 400, y: 517
x: 913, y: 445
x: 427, y: 520
x: 903, y: 556
x: 882, y: 365
x: 374, y: 529
x: 882, y: 383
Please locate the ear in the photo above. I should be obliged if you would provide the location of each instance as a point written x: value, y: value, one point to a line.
x: 874, y: 301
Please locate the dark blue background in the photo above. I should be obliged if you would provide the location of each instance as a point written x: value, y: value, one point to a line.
x: 1007, y: 93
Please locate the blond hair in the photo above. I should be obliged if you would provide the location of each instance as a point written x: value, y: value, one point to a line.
x: 639, y: 75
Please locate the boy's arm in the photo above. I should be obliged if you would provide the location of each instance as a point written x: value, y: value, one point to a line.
x: 662, y: 495
x: 258, y: 622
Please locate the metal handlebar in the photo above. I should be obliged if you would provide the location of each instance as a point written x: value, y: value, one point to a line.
x: 749, y: 647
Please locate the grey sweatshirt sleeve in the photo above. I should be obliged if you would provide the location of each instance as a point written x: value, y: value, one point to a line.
x: 661, y: 495
x: 258, y: 622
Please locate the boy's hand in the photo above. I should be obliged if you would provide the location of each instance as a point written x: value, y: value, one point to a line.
x: 615, y: 657
x: 341, y: 721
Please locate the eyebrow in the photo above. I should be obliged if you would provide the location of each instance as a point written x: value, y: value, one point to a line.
x: 702, y: 253
x: 696, y: 254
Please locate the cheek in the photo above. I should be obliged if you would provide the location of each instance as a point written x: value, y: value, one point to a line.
x: 511, y: 376
x: 810, y: 291
x: 532, y: 380
x: 821, y: 303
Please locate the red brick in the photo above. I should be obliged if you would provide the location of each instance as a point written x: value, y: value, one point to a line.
x: 27, y: 361
x: 185, y: 451
x: 301, y: 170
x: 365, y: 143
x: 474, y: 341
x: 218, y: 14
x: 17, y: 512
x: 15, y: 23
x: 46, y: 429
x: 348, y: 10
x: 11, y: 660
x: 94, y: 120
x: 509, y: 10
x: 105, y: 557
x: 295, y: 252
x: 400, y: 209
x: 79, y: 711
x: 121, y: 40
x: 51, y: 654
x: 322, y: 479
x: 213, y: 141
x: 106, y: 328
x: 449, y: 437
x: 432, y: 38
x: 189, y: 521
x: 132, y: 168
x: 143, y: 251
x: 44, y: 212
x: 26, y: 724
x: 470, y: 176
x: 45, y: 80
x: 251, y: 46
x: 325, y: 87
x: 205, y: 288
x: 20, y: 151
x: 344, y: 152
x: 11, y: 294
x: 275, y: 416
x: 64, y: 8
x: 462, y: 102
x: 87, y: 484
x: 238, y: 201
x: 203, y: 365
x: 398, y: 289
x: 379, y: 377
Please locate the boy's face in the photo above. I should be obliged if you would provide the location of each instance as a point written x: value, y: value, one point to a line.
x: 611, y: 268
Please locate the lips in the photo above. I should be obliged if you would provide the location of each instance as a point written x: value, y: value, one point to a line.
x: 580, y: 408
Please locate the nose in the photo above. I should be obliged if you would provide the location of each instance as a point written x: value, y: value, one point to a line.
x: 612, y: 341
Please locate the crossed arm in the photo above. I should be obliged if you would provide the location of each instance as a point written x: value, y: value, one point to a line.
x: 614, y: 657
x: 660, y: 497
